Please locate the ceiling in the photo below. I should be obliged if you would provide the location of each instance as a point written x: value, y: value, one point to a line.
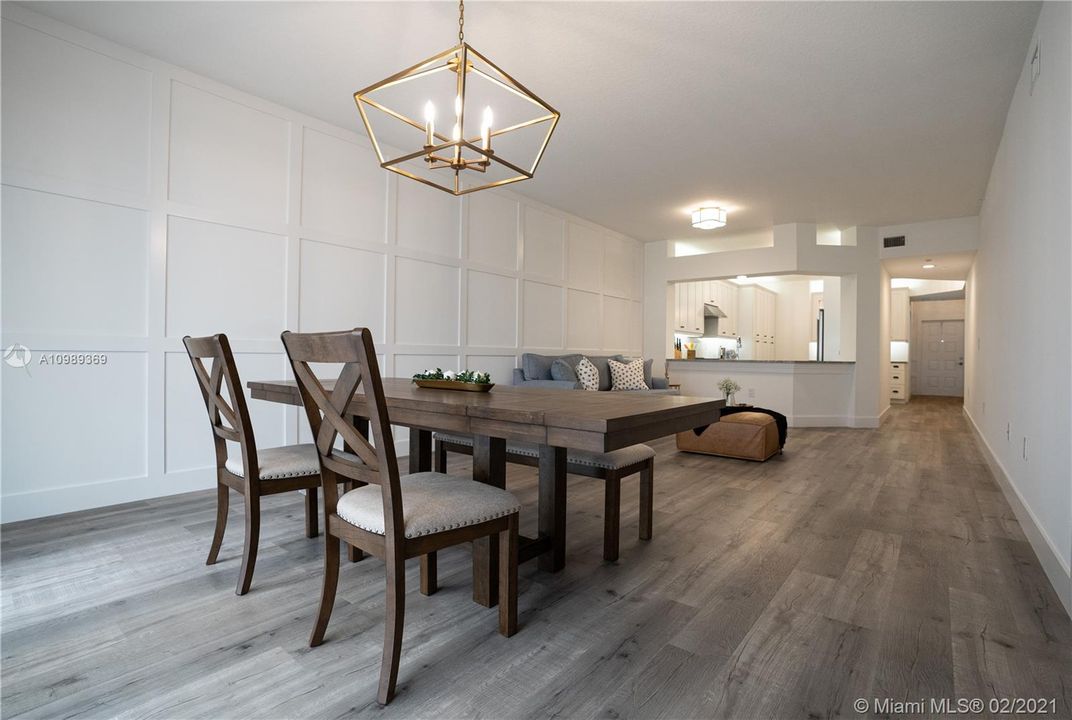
x: 844, y: 113
x: 954, y: 266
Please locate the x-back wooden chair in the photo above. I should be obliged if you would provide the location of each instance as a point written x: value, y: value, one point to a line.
x: 257, y: 472
x: 390, y: 517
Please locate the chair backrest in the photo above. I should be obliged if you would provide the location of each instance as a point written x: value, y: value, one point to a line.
x: 228, y: 415
x: 328, y: 419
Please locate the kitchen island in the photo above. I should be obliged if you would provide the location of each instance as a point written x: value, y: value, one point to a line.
x: 808, y: 393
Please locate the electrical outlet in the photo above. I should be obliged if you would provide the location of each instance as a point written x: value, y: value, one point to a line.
x: 751, y: 393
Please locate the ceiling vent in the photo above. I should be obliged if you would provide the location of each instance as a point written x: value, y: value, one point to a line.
x: 889, y: 242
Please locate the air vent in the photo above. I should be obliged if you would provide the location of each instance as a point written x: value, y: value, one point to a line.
x: 893, y: 241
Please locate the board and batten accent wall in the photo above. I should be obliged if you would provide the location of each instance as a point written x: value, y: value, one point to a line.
x: 142, y: 203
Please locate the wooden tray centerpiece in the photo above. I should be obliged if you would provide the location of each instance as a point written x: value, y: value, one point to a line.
x: 467, y: 380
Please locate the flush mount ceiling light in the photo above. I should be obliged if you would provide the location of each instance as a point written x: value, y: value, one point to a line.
x: 708, y: 218
x: 928, y: 265
x: 489, y: 108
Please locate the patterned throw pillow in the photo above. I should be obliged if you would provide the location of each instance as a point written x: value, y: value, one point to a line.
x: 627, y: 376
x: 588, y: 374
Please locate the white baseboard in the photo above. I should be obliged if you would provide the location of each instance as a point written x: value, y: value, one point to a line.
x: 819, y: 421
x: 882, y: 415
x: 1058, y: 572
x: 72, y: 498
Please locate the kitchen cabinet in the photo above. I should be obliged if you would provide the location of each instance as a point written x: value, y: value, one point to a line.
x: 900, y: 314
x: 681, y: 301
x: 695, y: 310
x: 688, y: 309
x: 723, y: 294
x: 764, y: 310
x: 900, y: 388
x: 689, y: 300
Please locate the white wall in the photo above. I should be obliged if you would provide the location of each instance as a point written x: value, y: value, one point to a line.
x: 142, y: 203
x: 1018, y: 299
x: 931, y: 237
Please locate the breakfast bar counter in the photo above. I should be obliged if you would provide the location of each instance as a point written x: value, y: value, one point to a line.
x: 808, y: 393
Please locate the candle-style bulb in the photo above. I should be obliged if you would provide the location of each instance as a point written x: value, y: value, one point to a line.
x: 458, y: 105
x: 456, y: 134
x: 485, y: 129
x: 429, y: 124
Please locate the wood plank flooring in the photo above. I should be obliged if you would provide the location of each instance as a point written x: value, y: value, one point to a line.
x: 861, y: 563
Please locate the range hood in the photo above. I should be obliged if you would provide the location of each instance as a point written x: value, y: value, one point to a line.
x: 711, y: 315
x: 712, y: 311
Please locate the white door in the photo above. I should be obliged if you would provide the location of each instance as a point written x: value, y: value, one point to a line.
x: 942, y: 358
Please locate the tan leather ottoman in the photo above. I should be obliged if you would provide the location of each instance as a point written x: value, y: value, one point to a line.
x: 745, y: 435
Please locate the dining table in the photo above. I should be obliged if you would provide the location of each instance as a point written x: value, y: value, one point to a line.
x: 555, y: 420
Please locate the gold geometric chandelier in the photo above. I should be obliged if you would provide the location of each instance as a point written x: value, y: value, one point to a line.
x: 497, y: 135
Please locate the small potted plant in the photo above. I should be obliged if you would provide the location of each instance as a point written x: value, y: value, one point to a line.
x: 440, y: 379
x: 730, y: 387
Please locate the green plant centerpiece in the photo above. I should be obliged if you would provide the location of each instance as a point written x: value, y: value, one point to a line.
x: 440, y: 379
x: 730, y: 387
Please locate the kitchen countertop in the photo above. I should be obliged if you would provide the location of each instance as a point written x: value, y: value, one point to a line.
x: 766, y: 362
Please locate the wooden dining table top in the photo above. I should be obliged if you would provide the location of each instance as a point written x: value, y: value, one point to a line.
x: 597, y: 421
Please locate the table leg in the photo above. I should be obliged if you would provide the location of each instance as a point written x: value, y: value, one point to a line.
x: 489, y: 467
x: 420, y: 450
x: 553, y: 506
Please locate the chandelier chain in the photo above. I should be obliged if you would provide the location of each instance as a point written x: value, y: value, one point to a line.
x: 461, y: 21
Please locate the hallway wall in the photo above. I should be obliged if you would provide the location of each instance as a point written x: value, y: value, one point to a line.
x: 1018, y: 379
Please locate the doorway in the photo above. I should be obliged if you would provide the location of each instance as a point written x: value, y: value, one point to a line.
x: 942, y: 356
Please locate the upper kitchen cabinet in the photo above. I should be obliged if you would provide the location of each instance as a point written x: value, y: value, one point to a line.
x: 689, y: 301
x: 724, y: 295
x: 900, y: 322
x: 688, y: 309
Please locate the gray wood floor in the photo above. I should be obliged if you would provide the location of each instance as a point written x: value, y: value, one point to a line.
x: 861, y: 563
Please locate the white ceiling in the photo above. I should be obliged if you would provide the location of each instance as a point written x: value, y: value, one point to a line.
x: 845, y: 113
x: 954, y: 266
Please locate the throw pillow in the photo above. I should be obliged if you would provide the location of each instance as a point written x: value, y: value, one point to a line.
x: 562, y: 370
x: 536, y: 367
x: 647, y: 368
x: 627, y: 376
x: 588, y: 374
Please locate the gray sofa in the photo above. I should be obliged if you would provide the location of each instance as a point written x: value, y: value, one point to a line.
x: 535, y: 372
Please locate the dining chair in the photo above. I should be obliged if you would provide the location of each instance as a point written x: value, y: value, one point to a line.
x: 394, y: 518
x: 258, y: 472
x: 611, y: 467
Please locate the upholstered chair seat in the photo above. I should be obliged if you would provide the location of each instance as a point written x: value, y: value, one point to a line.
x: 431, y: 503
x: 513, y: 448
x: 613, y: 460
x: 280, y: 462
